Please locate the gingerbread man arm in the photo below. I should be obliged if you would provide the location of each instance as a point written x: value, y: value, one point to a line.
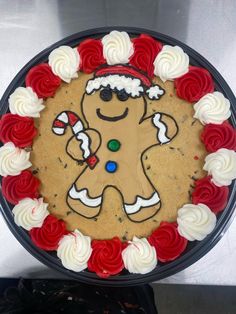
x: 159, y: 128
x: 83, y: 145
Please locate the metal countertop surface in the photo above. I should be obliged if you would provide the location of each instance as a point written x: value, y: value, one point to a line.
x: 208, y: 26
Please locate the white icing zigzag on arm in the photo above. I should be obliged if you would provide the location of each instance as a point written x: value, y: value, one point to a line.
x: 83, y: 137
x: 162, y: 129
x: 84, y: 197
x: 142, y: 202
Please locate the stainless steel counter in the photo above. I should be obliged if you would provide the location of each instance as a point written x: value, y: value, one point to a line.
x: 209, y: 26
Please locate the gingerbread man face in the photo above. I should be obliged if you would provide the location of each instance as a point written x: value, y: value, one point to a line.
x: 113, y: 142
x: 108, y: 107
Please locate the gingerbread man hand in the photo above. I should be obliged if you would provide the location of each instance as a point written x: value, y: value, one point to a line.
x: 84, y: 143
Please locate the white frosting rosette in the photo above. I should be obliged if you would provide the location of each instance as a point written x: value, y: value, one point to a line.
x: 13, y: 160
x: 117, y: 47
x: 212, y: 108
x: 64, y: 62
x: 195, y: 222
x: 30, y: 213
x: 221, y: 165
x: 139, y: 256
x: 171, y: 63
x: 25, y: 102
x: 74, y: 250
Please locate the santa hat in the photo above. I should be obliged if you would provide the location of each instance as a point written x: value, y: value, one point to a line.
x: 124, y: 77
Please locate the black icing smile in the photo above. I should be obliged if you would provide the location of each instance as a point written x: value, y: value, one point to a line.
x: 113, y: 118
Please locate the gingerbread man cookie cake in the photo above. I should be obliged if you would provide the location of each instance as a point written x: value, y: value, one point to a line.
x: 116, y: 136
x: 117, y: 153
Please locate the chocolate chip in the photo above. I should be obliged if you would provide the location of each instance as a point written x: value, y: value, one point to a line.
x: 181, y: 151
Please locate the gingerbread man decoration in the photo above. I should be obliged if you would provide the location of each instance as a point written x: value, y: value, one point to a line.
x: 114, y: 140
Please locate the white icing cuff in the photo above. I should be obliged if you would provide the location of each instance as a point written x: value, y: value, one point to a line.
x: 161, y: 135
x: 83, y: 137
x: 141, y: 203
x: 83, y: 196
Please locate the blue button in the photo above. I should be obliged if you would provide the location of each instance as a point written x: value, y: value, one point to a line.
x: 111, y: 166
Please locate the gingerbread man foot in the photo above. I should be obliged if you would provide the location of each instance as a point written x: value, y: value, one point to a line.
x: 82, y: 203
x: 143, y: 208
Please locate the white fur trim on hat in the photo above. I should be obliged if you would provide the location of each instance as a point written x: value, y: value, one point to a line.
x: 132, y: 86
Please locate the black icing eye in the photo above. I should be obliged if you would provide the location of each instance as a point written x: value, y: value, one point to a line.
x: 122, y: 95
x: 106, y: 94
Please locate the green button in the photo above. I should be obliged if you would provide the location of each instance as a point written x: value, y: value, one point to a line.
x: 113, y: 145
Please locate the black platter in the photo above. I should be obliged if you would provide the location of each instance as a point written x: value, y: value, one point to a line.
x: 195, y: 250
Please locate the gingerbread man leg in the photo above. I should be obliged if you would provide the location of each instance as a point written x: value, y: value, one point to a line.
x: 140, y: 200
x: 85, y: 196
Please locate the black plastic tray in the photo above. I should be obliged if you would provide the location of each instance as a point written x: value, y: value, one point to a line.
x: 195, y: 250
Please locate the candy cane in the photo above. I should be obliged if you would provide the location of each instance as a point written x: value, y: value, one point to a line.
x: 69, y: 118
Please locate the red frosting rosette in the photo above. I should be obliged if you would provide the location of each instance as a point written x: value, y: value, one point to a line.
x: 106, y: 258
x: 42, y: 80
x: 18, y: 130
x: 169, y: 244
x: 91, y: 55
x: 208, y: 193
x: 15, y: 188
x: 146, y: 49
x: 194, y: 85
x: 216, y: 136
x: 48, y: 236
